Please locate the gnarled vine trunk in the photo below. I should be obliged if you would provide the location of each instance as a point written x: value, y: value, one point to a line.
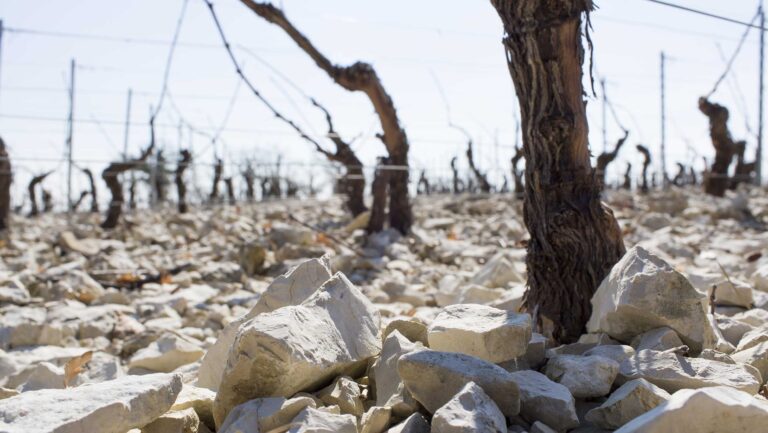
x: 94, y: 195
x: 110, y: 176
x: 379, y: 194
x: 423, y: 186
x: 628, y: 177
x: 6, y: 178
x: 646, y: 163
x: 717, y: 181
x: 353, y: 182
x: 218, y: 170
x: 458, y: 185
x: 185, y: 158
x: 482, y: 180
x: 679, y: 179
x: 32, y: 191
x: 606, y: 158
x: 362, y: 77
x: 230, y: 190
x: 744, y: 170
x: 575, y: 240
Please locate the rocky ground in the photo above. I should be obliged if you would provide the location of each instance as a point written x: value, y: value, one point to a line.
x: 242, y: 320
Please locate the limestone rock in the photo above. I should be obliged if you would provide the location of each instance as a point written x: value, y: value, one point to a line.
x: 199, y: 399
x: 584, y: 376
x: 298, y: 348
x: 756, y: 356
x: 544, y: 400
x: 345, y: 393
x: 469, y: 411
x: 642, y: 292
x: 631, y: 400
x: 295, y: 286
x: 616, y: 352
x: 754, y: 317
x: 390, y: 390
x: 415, y: 423
x: 70, y: 242
x: 264, y: 414
x: 167, y: 353
x: 753, y: 337
x: 413, y: 330
x: 375, y: 420
x: 312, y: 420
x: 497, y: 272
x: 434, y: 377
x: 708, y: 410
x: 540, y: 427
x: 184, y: 421
x: 478, y: 330
x: 673, y: 372
x: 13, y: 291
x: 732, y: 330
x: 108, y: 407
x: 659, y: 339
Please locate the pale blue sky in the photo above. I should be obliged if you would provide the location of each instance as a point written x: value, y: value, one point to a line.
x: 409, y: 42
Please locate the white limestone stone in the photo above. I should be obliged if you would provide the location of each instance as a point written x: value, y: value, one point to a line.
x: 469, y: 411
x: 298, y: 348
x: 108, y: 407
x: 485, y: 332
x: 434, y: 377
x: 643, y: 292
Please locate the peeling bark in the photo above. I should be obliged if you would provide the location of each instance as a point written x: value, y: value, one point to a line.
x: 181, y: 189
x: 606, y: 158
x: 6, y: 178
x: 717, y: 181
x: 379, y: 192
x: 110, y: 176
x: 361, y: 77
x: 575, y: 240
x: 31, y: 190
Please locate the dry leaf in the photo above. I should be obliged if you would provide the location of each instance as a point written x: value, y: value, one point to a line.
x: 127, y: 278
x: 321, y: 238
x: 74, y: 366
x: 166, y: 278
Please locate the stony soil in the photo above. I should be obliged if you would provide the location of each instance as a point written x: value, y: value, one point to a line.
x: 240, y: 319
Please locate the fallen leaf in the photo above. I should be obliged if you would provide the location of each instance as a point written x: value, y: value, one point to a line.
x: 74, y: 366
x: 127, y: 278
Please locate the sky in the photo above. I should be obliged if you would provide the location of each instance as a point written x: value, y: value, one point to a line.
x: 440, y: 61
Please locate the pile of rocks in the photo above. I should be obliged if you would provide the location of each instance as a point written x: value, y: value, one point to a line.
x: 230, y: 321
